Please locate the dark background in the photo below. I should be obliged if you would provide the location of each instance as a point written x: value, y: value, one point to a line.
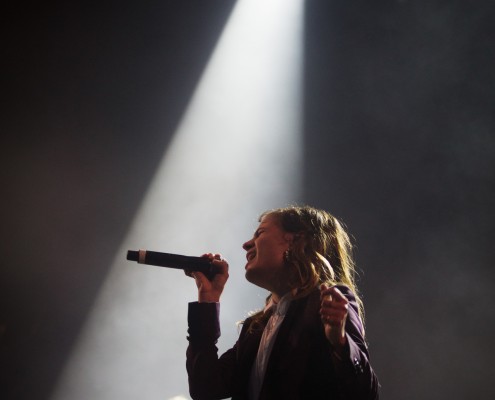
x: 398, y: 124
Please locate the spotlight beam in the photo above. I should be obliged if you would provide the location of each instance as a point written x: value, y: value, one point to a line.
x: 237, y: 152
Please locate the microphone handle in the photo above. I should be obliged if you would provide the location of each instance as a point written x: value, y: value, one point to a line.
x: 175, y: 261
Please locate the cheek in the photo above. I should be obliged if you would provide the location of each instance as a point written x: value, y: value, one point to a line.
x: 272, y: 256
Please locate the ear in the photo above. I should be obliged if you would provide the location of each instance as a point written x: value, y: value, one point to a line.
x: 292, y: 237
x: 289, y: 237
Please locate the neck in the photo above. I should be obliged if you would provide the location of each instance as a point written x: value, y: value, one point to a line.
x: 277, y: 295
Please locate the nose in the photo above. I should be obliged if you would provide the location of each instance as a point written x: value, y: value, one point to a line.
x: 250, y: 243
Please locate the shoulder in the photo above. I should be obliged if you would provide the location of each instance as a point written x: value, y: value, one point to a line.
x: 255, y: 323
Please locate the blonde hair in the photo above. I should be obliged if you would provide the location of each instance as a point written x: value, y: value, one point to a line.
x: 321, y: 251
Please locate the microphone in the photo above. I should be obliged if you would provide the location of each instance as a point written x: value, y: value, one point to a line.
x: 176, y: 261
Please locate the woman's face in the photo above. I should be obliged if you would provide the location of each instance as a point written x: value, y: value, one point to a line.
x: 265, y: 265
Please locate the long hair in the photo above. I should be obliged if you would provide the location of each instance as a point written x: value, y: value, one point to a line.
x: 321, y: 251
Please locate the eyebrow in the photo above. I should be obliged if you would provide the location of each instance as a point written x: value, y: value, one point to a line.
x: 260, y: 228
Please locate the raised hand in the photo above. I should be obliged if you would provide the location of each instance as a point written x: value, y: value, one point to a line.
x: 210, y: 290
x: 333, y: 312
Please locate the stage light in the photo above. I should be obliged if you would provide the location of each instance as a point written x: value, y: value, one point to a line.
x: 236, y: 153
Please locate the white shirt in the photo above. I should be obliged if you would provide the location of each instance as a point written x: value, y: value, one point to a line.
x: 266, y: 344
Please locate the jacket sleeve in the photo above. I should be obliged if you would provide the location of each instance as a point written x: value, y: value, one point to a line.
x: 357, y: 380
x: 210, y: 377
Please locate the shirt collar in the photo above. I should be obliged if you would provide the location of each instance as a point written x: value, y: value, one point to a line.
x: 281, y: 307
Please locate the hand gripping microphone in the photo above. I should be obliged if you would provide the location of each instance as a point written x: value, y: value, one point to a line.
x: 173, y: 261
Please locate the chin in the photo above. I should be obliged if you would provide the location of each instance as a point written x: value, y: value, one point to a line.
x: 251, y: 275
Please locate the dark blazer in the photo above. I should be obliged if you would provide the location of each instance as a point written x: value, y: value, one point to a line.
x: 300, y: 366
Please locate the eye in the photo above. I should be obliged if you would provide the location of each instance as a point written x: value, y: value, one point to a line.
x: 258, y: 232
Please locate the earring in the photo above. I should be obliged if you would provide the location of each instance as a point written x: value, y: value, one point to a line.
x: 287, y: 256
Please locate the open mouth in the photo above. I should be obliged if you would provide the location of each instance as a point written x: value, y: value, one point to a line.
x: 250, y: 255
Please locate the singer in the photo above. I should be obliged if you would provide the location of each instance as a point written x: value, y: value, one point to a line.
x: 309, y: 340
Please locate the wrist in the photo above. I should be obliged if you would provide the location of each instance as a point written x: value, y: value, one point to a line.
x: 208, y: 298
x: 339, y: 347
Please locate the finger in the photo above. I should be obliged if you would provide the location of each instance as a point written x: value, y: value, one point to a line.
x: 325, y: 291
x: 221, y: 265
x: 218, y: 261
x: 220, y: 272
x: 330, y: 305
x: 335, y: 318
x: 332, y: 312
x: 338, y: 296
x: 333, y: 321
x: 199, y: 277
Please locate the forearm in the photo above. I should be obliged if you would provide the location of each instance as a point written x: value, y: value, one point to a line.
x: 209, y: 376
x: 350, y: 358
x: 356, y: 377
